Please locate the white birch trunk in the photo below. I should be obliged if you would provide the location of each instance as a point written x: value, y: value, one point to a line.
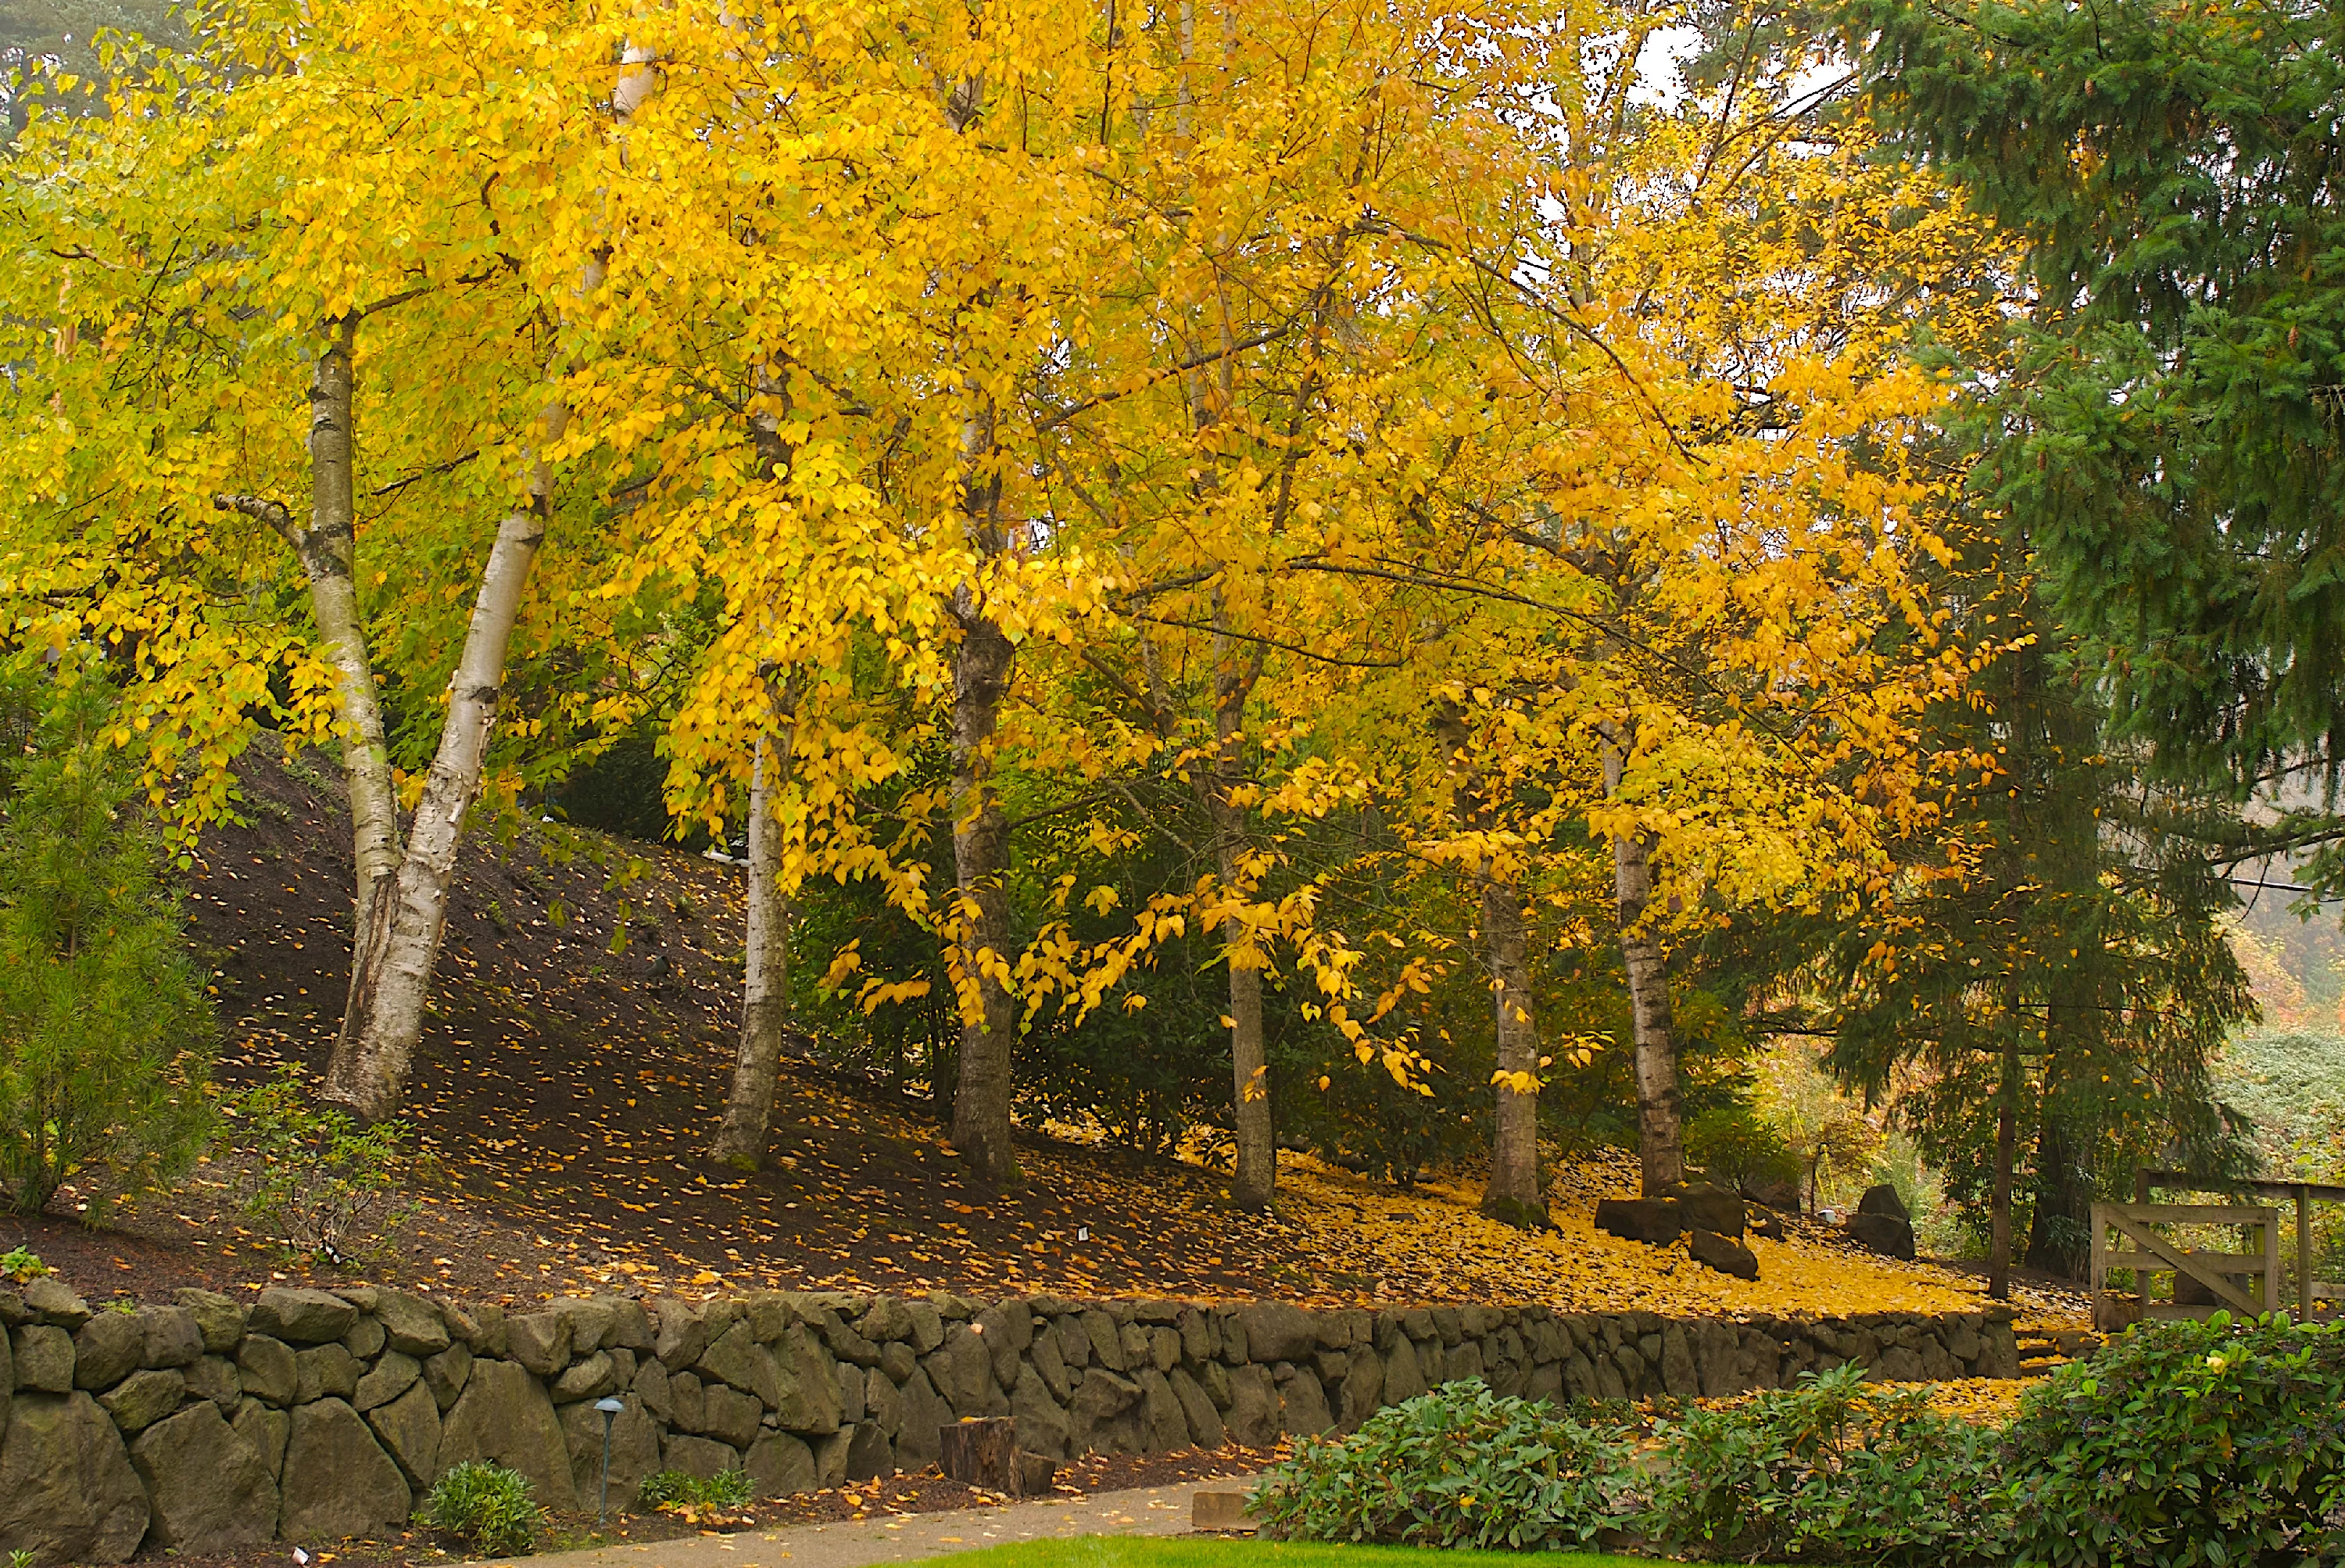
x: 1517, y: 1193
x: 1661, y: 1131
x: 372, y: 1061
x: 765, y: 980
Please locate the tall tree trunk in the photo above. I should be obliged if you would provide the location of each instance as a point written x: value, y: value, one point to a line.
x: 333, y: 595
x: 1516, y: 1194
x: 1661, y: 1132
x: 2059, y: 1230
x: 369, y: 1073
x: 981, y: 1096
x: 2006, y: 1143
x: 327, y: 548
x: 765, y: 982
x: 1254, y: 1183
x: 374, y: 1059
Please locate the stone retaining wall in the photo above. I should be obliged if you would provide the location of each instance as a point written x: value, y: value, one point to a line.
x: 307, y: 1415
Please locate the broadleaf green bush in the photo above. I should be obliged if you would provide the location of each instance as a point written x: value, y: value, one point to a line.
x: 669, y: 1488
x: 487, y: 1505
x: 2185, y: 1443
x: 1460, y: 1466
x: 1828, y: 1470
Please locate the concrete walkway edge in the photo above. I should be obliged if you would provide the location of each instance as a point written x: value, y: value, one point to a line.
x: 903, y: 1538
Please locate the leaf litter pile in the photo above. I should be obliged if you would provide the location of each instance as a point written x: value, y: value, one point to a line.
x: 575, y: 1061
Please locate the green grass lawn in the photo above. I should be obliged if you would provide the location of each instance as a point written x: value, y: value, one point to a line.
x: 1140, y: 1552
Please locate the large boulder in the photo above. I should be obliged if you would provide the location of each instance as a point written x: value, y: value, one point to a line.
x: 806, y: 1393
x: 107, y: 1350
x: 44, y: 1357
x: 1253, y: 1416
x: 412, y: 1326
x: 1303, y: 1404
x: 338, y: 1482
x: 869, y: 1454
x: 446, y: 1373
x: 67, y: 1494
x: 735, y: 1360
x: 780, y: 1465
x: 409, y: 1430
x: 1276, y: 1331
x: 702, y: 1457
x: 144, y: 1398
x: 210, y: 1490
x: 729, y: 1416
x: 173, y: 1337
x: 926, y: 1415
x: 539, y: 1341
x: 1205, y: 1422
x: 264, y: 1430
x: 391, y: 1377
x: 1883, y: 1233
x: 1882, y: 1198
x: 302, y: 1317
x: 504, y: 1415
x: 268, y: 1369
x: 218, y: 1318
x: 1701, y: 1207
x: 1041, y: 1421
x: 1652, y: 1220
x: 1723, y: 1253
x: 962, y: 1371
x: 52, y: 1300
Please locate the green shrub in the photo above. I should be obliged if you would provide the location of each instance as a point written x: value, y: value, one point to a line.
x: 487, y: 1505
x: 22, y: 1266
x: 318, y: 1181
x: 674, y: 1487
x: 1457, y: 1467
x: 1735, y: 1149
x: 2185, y: 1443
x: 1829, y: 1472
x: 105, y: 1027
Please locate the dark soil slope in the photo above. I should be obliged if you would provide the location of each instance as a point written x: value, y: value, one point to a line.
x: 577, y: 1057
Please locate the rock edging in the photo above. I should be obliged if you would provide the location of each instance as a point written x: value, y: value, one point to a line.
x: 209, y: 1424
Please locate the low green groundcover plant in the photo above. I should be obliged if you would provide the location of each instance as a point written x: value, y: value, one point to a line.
x: 486, y: 1504
x: 2182, y: 1445
x: 674, y: 1487
x: 1456, y: 1466
x: 1828, y: 1470
x: 2185, y: 1443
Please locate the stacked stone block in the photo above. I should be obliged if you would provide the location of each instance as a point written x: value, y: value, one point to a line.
x: 206, y: 1425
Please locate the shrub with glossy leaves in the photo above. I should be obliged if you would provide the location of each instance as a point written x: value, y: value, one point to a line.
x: 487, y: 1505
x: 1456, y: 1466
x: 1828, y: 1471
x: 2186, y: 1443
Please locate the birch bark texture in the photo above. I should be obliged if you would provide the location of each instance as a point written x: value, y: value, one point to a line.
x: 1516, y: 1193
x: 766, y: 983
x: 326, y: 549
x: 371, y: 1062
x: 1660, y: 1133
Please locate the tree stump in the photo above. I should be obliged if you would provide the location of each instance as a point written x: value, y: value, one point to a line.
x: 982, y: 1452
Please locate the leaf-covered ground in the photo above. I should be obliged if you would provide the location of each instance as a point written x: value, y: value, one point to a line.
x: 578, y: 1053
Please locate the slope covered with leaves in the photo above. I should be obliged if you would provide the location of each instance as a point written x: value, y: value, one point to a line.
x: 576, y: 1060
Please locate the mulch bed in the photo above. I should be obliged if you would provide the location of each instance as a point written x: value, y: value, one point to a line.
x: 927, y: 1492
